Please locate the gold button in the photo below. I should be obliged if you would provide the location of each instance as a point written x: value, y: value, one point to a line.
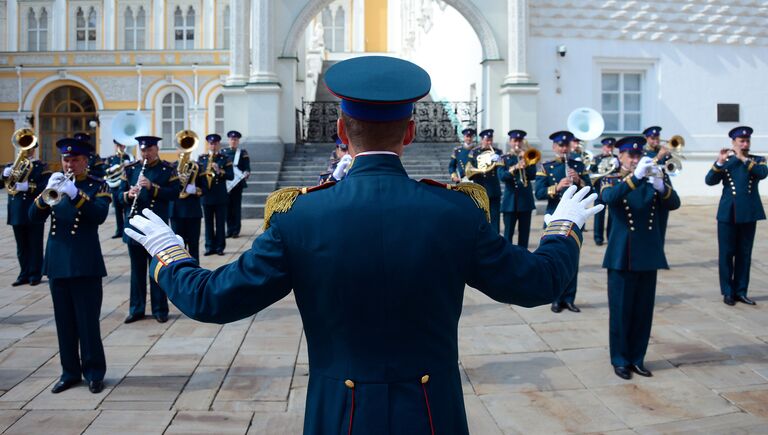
x: 425, y: 379
x: 349, y: 383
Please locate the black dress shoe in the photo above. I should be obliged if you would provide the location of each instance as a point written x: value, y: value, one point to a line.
x: 63, y: 385
x: 623, y: 372
x: 96, y: 387
x: 728, y: 300
x: 20, y: 281
x: 207, y: 253
x: 219, y: 252
x: 641, y: 370
x: 556, y: 307
x: 161, y: 318
x: 34, y: 282
x: 572, y: 308
x: 599, y: 242
x: 234, y: 236
x: 745, y: 299
x: 133, y: 318
x: 116, y: 235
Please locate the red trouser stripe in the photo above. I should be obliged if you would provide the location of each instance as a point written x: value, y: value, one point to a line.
x: 429, y: 411
x: 351, y: 413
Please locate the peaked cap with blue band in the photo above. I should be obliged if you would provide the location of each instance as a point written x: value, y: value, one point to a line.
x: 608, y: 141
x: 377, y: 88
x: 70, y: 147
x: 234, y: 133
x: 469, y: 132
x: 487, y: 133
x: 517, y: 134
x: 742, y: 131
x: 339, y: 142
x: 147, y: 141
x: 213, y: 137
x: 631, y: 144
x: 652, y: 131
x: 562, y: 136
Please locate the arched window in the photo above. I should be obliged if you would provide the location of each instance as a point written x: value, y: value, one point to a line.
x: 227, y: 27
x: 218, y: 114
x: 334, y: 29
x: 64, y: 111
x: 135, y: 28
x: 173, y: 117
x: 184, y: 28
x: 37, y: 30
x: 85, y: 29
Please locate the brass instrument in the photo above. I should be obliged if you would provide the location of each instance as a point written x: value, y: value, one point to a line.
x: 136, y: 198
x: 114, y: 175
x: 672, y: 163
x: 51, y: 195
x: 530, y: 157
x: 186, y: 141
x: 25, y: 140
x: 605, y: 167
x: 209, y: 169
x: 485, y: 164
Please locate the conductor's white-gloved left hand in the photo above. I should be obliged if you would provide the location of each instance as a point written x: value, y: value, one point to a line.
x: 575, y: 207
x: 191, y: 189
x: 68, y: 187
x: 642, y: 167
x: 153, y: 233
x: 341, y: 168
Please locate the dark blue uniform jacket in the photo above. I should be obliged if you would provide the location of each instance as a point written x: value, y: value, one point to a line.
x: 518, y: 186
x: 18, y: 203
x: 189, y: 207
x: 740, y: 201
x: 551, y: 173
x: 459, y: 160
x: 489, y: 180
x: 165, y: 188
x: 216, y: 192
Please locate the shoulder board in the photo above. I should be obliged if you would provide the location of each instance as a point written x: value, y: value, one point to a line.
x: 475, y: 191
x: 280, y: 201
x: 166, y: 163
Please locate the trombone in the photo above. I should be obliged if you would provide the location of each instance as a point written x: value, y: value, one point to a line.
x: 530, y: 156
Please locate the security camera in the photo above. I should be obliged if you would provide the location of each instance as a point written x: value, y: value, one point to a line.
x: 562, y: 50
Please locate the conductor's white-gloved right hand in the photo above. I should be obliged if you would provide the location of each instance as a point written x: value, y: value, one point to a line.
x: 575, y: 207
x: 155, y: 235
x: 54, y: 180
x: 642, y: 167
x: 341, y: 168
x: 7, y: 172
x: 191, y: 189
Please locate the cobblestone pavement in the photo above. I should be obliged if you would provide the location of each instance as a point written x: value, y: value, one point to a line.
x: 525, y: 370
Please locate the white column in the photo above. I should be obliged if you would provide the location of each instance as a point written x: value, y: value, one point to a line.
x: 517, y: 46
x: 358, y: 26
x: 59, y: 25
x: 209, y: 24
x: 12, y: 20
x: 262, y: 43
x: 158, y: 24
x: 109, y: 24
x: 239, y: 37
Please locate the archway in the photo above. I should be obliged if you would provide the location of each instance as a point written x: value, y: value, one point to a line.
x: 65, y: 111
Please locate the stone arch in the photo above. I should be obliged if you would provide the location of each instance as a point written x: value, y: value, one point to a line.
x: 40, y: 89
x: 466, y: 8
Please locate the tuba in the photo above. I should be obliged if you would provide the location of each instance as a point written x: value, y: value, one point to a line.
x: 586, y: 124
x: 186, y: 141
x: 25, y: 140
x: 127, y: 125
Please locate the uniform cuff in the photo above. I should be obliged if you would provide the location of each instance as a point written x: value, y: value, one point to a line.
x: 563, y: 228
x: 668, y: 190
x: 168, y: 256
x: 552, y: 191
x: 716, y: 168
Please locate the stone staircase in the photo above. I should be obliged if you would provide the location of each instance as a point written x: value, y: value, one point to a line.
x: 261, y: 183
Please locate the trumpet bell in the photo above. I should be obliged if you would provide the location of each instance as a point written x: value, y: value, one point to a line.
x: 673, y: 166
x: 532, y: 156
x: 24, y: 139
x: 676, y: 143
x: 187, y: 140
x: 586, y: 124
x: 127, y: 125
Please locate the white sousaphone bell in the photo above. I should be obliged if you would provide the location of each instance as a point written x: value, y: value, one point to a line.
x: 587, y: 124
x: 126, y: 126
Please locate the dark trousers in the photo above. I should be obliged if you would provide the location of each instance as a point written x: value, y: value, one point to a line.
x: 569, y: 293
x: 189, y: 230
x: 139, y: 266
x: 215, y: 217
x: 601, y: 231
x: 119, y: 217
x: 495, y: 212
x: 631, y: 296
x: 76, y: 308
x: 734, y: 245
x: 29, y: 250
x: 234, y: 210
x: 510, y: 221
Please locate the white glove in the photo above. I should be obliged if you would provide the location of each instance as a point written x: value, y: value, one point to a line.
x: 22, y: 186
x: 658, y: 183
x: 68, y: 187
x: 341, y: 168
x: 155, y: 234
x: 495, y: 158
x: 191, y: 189
x: 573, y: 207
x: 642, y: 167
x: 616, y: 162
x: 7, y: 172
x: 54, y: 180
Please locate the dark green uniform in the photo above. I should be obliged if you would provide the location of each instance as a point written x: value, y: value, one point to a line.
x: 235, y: 198
x: 215, y: 201
x: 517, y: 204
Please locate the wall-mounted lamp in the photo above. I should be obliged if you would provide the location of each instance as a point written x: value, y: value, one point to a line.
x: 30, y: 120
x: 95, y: 122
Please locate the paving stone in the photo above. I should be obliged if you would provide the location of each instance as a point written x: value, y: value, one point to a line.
x: 576, y: 334
x: 148, y: 388
x: 752, y: 399
x: 7, y: 418
x: 58, y: 422
x: 485, y: 340
x: 130, y: 422
x: 721, y: 374
x: 27, y: 389
x: 523, y: 372
x: 276, y: 423
x: 201, y: 389
x: 224, y: 423
x: 738, y: 422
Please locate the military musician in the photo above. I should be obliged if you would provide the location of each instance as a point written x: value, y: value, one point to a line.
x: 737, y: 215
x: 186, y: 211
x: 147, y: 183
x: 555, y: 177
x: 635, y: 252
x: 607, y: 145
x: 485, y: 159
x: 460, y: 155
x: 216, y: 169
x: 659, y: 154
x: 115, y: 166
x: 337, y: 155
x: 77, y: 204
x: 518, y: 174
x: 96, y: 165
x: 241, y: 165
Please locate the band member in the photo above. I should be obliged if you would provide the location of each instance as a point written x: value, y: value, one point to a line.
x: 659, y: 154
x: 96, y: 165
x: 186, y: 211
x: 518, y: 175
x: 27, y: 233
x: 635, y: 252
x: 740, y: 209
x: 118, y: 162
x: 607, y: 153
x: 375, y: 344
x: 215, y: 169
x: 488, y: 178
x: 147, y: 183
x: 460, y: 155
x: 240, y: 161
x: 553, y: 179
x: 337, y: 155
x: 74, y: 264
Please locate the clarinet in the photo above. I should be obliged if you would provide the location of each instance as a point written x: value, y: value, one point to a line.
x: 136, y: 198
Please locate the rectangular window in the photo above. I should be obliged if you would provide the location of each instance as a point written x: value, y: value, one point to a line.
x: 184, y: 28
x: 85, y: 29
x: 622, y: 101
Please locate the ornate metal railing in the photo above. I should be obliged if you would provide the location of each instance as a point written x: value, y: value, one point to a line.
x: 440, y: 121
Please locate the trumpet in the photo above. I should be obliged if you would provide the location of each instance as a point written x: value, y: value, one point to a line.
x: 672, y: 163
x: 51, y: 195
x: 186, y: 141
x: 25, y: 140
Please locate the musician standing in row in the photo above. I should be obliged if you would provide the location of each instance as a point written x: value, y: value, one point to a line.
x: 186, y: 212
x: 659, y: 154
x: 27, y: 233
x: 118, y: 160
x: 555, y: 177
x: 75, y: 266
x: 737, y: 215
x: 636, y: 196
x: 96, y: 165
x: 607, y: 153
x: 148, y: 183
x: 216, y: 169
x: 518, y: 176
x: 240, y: 161
x: 460, y: 156
x: 488, y: 179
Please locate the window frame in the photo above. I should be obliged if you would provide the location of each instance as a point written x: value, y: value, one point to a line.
x: 622, y: 112
x: 647, y: 67
x: 184, y: 8
x: 170, y: 144
x: 38, y: 10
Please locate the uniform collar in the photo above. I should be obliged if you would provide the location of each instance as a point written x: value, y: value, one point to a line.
x: 82, y: 176
x: 151, y: 164
x: 375, y: 164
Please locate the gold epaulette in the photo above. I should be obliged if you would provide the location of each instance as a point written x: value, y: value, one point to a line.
x: 280, y: 201
x: 475, y: 191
